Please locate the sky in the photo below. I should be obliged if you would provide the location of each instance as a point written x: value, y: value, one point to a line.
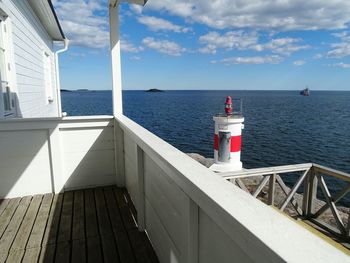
x: 210, y: 45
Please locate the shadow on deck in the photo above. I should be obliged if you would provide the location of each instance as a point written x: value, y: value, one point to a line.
x: 93, y: 225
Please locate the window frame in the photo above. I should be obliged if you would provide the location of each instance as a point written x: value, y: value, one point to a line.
x: 6, y: 87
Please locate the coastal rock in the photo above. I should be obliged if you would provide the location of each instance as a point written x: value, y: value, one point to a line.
x: 207, y: 162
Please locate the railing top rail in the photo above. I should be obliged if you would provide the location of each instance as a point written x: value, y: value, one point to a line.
x: 267, y: 171
x: 331, y: 172
x: 18, y: 124
x: 62, y: 119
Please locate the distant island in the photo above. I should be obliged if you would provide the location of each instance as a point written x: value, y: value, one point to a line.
x: 66, y: 90
x: 82, y: 90
x: 154, y: 90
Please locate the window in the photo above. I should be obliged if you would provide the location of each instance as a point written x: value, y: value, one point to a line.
x: 7, y: 101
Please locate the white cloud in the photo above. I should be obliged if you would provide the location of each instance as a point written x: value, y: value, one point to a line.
x: 228, y: 41
x: 280, y: 15
x: 273, y: 59
x: 341, y: 49
x: 299, y: 62
x: 164, y: 46
x: 159, y: 24
x: 340, y: 65
x: 241, y: 40
x: 81, y: 24
x: 318, y: 56
x: 135, y: 58
x: 129, y: 47
x: 284, y: 46
x: 136, y: 8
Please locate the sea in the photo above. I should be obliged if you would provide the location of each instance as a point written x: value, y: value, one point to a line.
x: 280, y: 127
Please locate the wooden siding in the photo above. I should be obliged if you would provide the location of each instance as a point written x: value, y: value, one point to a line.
x: 30, y: 41
x: 93, y: 225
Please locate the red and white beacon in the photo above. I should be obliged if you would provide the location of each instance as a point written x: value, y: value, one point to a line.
x: 227, y: 139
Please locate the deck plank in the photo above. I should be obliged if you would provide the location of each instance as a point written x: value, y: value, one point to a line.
x: 90, y: 214
x: 27, y: 224
x: 47, y: 254
x: 128, y: 219
x: 3, y: 205
x: 15, y: 223
x: 51, y: 229
x: 109, y: 248
x: 36, y: 236
x: 15, y: 256
x: 79, y: 251
x: 7, y: 214
x: 31, y: 255
x: 62, y: 252
x: 95, y: 225
x: 63, y: 247
x: 65, y: 228
x: 3, y: 257
x: 123, y: 244
x: 78, y: 231
x: 137, y: 240
x: 94, y: 252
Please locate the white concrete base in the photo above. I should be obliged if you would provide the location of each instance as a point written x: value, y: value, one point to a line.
x: 226, y: 167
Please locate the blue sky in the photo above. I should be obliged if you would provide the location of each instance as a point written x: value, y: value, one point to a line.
x: 218, y: 44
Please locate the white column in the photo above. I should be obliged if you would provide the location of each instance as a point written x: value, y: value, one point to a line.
x: 115, y: 56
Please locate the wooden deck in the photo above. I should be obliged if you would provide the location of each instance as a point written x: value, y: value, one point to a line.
x: 93, y: 225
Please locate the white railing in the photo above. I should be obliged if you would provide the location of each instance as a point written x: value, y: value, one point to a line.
x: 302, y: 199
x: 194, y: 215
x: 190, y: 213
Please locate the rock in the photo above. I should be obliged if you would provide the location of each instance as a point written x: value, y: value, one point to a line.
x: 207, y: 162
x: 154, y: 90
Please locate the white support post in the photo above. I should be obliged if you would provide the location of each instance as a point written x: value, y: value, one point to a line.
x: 56, y: 163
x: 115, y: 57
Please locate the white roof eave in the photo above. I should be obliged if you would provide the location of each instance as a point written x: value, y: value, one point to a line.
x: 47, y: 16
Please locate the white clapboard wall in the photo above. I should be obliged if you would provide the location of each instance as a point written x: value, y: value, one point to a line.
x: 32, y: 61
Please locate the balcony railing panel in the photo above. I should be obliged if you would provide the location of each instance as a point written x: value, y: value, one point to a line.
x: 50, y: 155
x: 194, y: 215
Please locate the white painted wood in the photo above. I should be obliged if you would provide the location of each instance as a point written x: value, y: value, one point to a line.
x: 56, y: 160
x: 141, y: 190
x: 24, y: 163
x: 162, y: 244
x: 229, y: 216
x: 115, y: 57
x: 131, y: 176
x: 267, y: 171
x: 119, y: 155
x: 88, y: 157
x: 192, y: 253
x: 216, y: 246
x: 168, y: 202
x: 54, y: 154
x: 29, y: 42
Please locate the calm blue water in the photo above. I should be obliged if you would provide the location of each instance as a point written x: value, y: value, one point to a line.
x: 281, y: 127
